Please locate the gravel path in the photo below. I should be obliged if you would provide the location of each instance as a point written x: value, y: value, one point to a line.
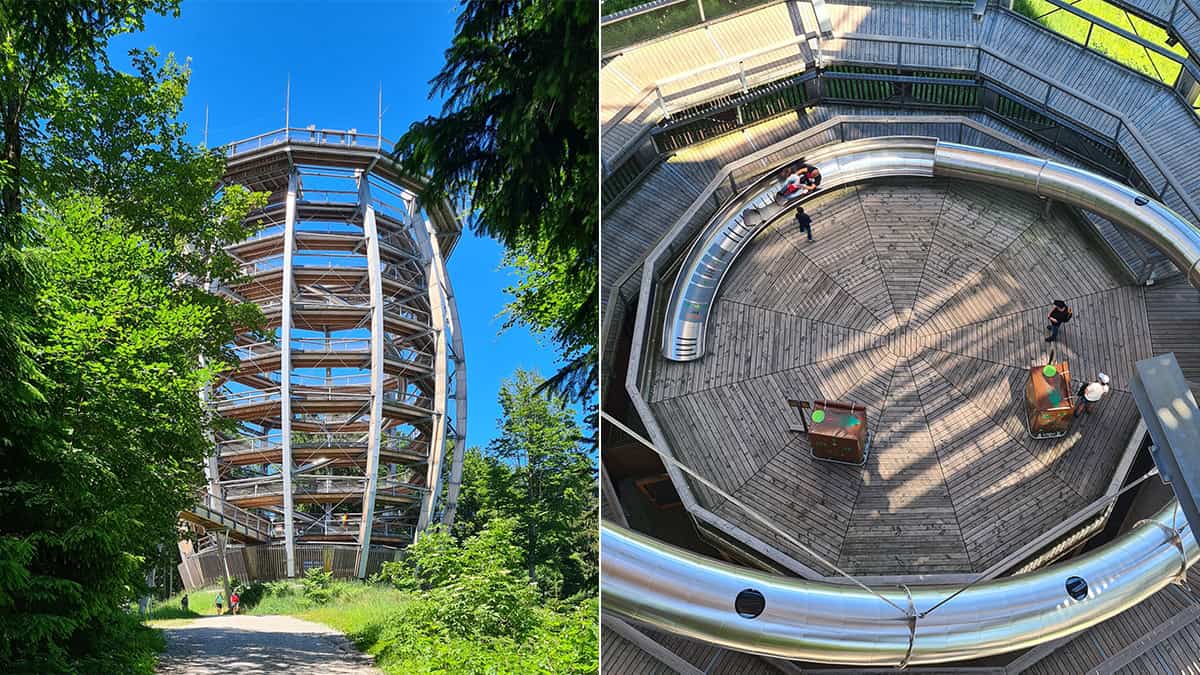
x: 260, y: 644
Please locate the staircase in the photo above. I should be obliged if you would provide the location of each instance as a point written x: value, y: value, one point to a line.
x: 214, y: 513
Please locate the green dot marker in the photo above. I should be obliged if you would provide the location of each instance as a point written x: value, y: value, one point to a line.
x: 1049, y: 371
x: 818, y: 416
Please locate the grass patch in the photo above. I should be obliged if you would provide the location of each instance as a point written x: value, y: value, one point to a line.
x: 1112, y: 45
x: 663, y: 20
x: 200, y: 604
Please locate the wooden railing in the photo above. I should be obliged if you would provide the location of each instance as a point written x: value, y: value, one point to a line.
x: 217, y: 512
x: 350, y: 138
x: 1116, y: 128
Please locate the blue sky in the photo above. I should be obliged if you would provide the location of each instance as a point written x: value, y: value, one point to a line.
x: 337, y: 55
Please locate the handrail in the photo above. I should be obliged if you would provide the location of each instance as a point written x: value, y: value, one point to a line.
x: 732, y: 60
x: 1104, y: 109
x: 214, y: 505
x: 349, y: 137
x: 317, y: 440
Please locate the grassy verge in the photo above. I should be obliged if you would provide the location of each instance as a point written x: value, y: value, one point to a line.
x: 664, y: 20
x: 380, y: 620
x: 1105, y: 41
x: 200, y: 604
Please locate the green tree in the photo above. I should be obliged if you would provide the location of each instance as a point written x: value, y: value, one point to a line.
x: 43, y: 43
x: 517, y: 138
x: 538, y: 473
x: 94, y: 469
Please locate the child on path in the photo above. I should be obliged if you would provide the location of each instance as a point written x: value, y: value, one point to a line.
x: 233, y: 602
x: 220, y: 601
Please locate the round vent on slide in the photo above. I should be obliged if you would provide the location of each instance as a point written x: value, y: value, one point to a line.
x: 1077, y: 588
x: 749, y: 603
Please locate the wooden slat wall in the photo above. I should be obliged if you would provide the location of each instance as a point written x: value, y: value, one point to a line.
x: 621, y: 657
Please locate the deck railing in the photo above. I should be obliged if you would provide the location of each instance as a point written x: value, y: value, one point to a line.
x: 1106, y: 126
x: 218, y: 511
x: 351, y: 138
x: 271, y: 486
x: 310, y: 440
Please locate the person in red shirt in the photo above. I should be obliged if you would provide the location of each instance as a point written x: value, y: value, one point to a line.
x: 233, y: 602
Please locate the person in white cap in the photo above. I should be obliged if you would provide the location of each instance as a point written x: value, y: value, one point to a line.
x: 1090, y: 393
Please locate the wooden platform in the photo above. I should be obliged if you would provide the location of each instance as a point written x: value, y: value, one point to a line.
x: 924, y: 300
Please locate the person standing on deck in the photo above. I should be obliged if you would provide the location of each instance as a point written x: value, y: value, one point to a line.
x: 804, y: 222
x: 1059, y: 314
x: 1090, y: 394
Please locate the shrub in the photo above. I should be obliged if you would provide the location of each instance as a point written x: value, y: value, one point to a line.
x: 318, y: 586
x: 250, y: 595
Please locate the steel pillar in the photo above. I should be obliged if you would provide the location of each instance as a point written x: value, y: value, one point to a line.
x: 285, y: 369
x: 437, y: 439
x: 454, y: 483
x: 375, y: 281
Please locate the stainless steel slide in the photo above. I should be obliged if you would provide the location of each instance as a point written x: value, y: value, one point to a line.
x: 672, y: 589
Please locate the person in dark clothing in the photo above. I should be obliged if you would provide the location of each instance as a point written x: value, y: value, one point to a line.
x: 183, y: 602
x: 1059, y: 314
x: 810, y: 176
x: 804, y: 222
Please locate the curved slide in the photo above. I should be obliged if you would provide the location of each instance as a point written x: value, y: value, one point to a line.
x: 677, y: 591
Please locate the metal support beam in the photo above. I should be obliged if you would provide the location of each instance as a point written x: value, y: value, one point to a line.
x: 454, y: 484
x: 437, y: 440
x: 285, y: 370
x: 1173, y: 419
x: 374, y: 271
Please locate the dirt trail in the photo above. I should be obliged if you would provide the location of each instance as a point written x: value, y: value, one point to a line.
x: 260, y: 644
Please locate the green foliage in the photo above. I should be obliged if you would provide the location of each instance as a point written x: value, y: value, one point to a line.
x: 252, y: 594
x: 1112, y: 45
x: 44, y: 44
x: 101, y: 333
x: 317, y: 585
x: 539, y: 474
x: 517, y: 137
x: 483, y: 616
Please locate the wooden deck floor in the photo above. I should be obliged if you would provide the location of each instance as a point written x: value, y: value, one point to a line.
x: 925, y: 300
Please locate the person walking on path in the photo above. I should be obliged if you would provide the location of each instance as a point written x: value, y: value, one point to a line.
x: 1090, y: 394
x: 183, y: 602
x: 220, y: 601
x: 233, y: 602
x: 1059, y: 314
x: 804, y: 222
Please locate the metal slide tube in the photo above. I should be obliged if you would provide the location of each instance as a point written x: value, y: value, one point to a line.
x: 690, y: 595
x: 734, y: 226
x: 684, y: 593
x: 1121, y: 204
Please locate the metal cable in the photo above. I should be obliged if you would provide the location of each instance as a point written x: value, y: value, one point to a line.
x: 749, y: 511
